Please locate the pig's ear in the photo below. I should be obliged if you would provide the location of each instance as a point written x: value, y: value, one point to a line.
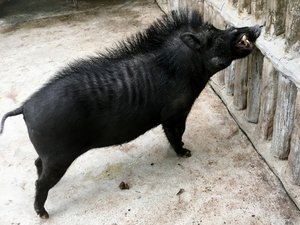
x: 192, y: 41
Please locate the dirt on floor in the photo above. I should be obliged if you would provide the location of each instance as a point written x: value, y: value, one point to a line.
x: 224, y: 182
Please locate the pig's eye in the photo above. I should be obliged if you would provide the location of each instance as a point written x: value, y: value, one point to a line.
x: 244, y: 42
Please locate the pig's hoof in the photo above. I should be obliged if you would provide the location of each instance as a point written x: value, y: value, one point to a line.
x: 43, y: 214
x: 185, y: 153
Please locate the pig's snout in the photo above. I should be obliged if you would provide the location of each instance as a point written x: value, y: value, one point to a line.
x: 255, y: 32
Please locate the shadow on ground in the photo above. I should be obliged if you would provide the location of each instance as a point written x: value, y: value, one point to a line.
x: 13, y: 12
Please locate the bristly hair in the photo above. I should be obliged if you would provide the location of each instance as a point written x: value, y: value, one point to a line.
x: 156, y: 34
x: 149, y: 40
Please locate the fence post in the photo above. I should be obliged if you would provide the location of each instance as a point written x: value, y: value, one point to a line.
x: 276, y: 13
x: 244, y: 6
x: 294, y: 156
x: 258, y: 8
x: 284, y: 117
x: 229, y: 79
x: 219, y: 23
x: 269, y: 88
x: 240, y: 84
x: 255, y: 63
x: 293, y: 25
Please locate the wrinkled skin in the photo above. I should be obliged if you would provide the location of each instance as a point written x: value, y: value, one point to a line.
x: 113, y: 98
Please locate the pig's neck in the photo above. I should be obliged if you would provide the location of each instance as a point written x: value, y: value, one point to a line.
x: 185, y: 63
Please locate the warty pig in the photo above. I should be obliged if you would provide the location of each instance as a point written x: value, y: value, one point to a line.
x: 152, y: 78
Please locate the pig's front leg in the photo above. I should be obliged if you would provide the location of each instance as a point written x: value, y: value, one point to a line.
x: 174, y: 130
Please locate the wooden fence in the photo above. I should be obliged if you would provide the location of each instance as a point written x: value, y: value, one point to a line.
x: 262, y: 91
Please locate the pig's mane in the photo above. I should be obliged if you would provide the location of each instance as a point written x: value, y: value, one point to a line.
x: 149, y: 40
x: 156, y: 34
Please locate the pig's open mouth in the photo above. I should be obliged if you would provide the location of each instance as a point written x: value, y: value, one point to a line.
x: 247, y: 39
x: 244, y: 42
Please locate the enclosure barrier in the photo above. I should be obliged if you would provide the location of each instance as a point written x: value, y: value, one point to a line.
x: 262, y: 91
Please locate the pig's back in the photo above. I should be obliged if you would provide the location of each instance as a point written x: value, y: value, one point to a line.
x: 99, y: 104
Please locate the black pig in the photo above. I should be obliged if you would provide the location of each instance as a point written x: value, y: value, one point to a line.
x: 152, y: 78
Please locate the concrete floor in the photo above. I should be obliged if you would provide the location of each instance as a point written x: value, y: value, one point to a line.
x: 224, y: 182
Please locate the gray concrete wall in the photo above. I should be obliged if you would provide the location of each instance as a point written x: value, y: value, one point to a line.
x: 262, y: 91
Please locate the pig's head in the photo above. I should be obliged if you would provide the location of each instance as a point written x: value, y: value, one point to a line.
x: 218, y: 48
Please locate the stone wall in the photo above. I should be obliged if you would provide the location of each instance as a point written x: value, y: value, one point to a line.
x: 262, y: 91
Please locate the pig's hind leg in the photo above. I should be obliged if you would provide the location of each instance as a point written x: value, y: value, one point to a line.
x: 174, y: 130
x: 52, y: 171
x: 39, y: 166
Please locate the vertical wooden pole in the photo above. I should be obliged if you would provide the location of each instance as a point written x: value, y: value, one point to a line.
x: 294, y: 156
x: 284, y: 117
x: 240, y: 84
x: 293, y: 25
x: 229, y: 79
x: 244, y: 6
x: 276, y: 17
x: 269, y: 89
x: 258, y: 8
x: 219, y: 23
x: 255, y: 63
